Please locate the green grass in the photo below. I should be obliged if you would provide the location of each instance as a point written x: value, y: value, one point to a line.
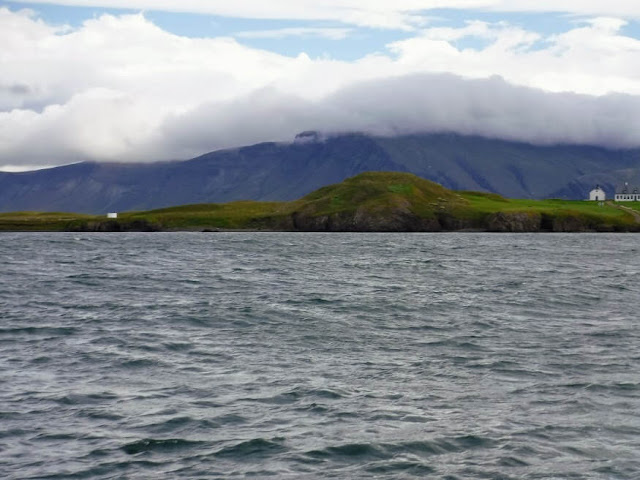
x: 404, y: 189
x: 37, y: 221
x: 234, y: 215
x: 632, y: 205
x: 372, y: 193
x: 484, y: 204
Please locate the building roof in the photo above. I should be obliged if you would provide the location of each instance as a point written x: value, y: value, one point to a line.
x: 628, y: 189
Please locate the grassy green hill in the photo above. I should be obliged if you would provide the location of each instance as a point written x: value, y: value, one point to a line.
x: 372, y: 201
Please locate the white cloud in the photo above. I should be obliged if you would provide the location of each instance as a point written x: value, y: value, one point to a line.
x: 402, y: 14
x: 332, y: 33
x: 593, y: 58
x: 120, y: 88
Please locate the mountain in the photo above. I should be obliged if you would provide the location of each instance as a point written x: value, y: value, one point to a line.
x: 286, y: 171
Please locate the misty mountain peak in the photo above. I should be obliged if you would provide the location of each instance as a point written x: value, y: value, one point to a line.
x: 308, y: 136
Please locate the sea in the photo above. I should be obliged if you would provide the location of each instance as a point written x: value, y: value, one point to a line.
x: 306, y: 355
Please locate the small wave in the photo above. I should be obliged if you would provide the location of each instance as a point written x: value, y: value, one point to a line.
x: 139, y: 363
x: 41, y: 360
x: 255, y: 447
x: 457, y: 343
x: 85, y: 399
x: 97, y: 414
x: 181, y: 424
x: 297, y: 394
x: 178, y: 346
x: 391, y: 450
x: 56, y: 331
x: 313, y: 408
x: 621, y: 387
x: 512, y: 462
x: 349, y: 450
x: 230, y: 419
x: 406, y: 466
x: 164, y: 445
x: 327, y: 393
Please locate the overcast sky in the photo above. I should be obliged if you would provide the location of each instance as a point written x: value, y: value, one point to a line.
x: 148, y: 80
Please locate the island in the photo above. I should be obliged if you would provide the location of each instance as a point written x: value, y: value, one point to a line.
x: 368, y: 202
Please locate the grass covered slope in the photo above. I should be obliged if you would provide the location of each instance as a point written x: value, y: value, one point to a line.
x: 37, y: 221
x: 372, y: 201
x: 232, y: 216
x: 376, y: 201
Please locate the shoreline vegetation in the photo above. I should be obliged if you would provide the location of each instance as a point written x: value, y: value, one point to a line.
x: 369, y: 202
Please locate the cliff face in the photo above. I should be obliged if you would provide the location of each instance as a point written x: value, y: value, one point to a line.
x: 515, y: 222
x: 403, y: 221
x: 522, y: 222
x: 114, y: 226
x: 361, y: 220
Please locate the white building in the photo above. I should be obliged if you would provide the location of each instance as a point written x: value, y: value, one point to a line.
x: 112, y: 215
x: 597, y: 194
x: 628, y: 193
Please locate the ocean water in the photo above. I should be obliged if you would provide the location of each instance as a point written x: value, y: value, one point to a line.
x: 237, y: 355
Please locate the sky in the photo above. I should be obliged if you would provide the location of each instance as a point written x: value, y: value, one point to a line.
x: 153, y: 80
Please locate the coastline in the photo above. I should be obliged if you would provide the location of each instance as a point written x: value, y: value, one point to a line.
x: 263, y: 230
x: 369, y: 202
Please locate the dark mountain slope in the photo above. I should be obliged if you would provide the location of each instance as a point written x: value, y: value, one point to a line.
x: 267, y: 171
x: 514, y: 170
x: 279, y: 171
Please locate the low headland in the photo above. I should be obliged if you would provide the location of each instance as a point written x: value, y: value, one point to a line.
x: 369, y: 202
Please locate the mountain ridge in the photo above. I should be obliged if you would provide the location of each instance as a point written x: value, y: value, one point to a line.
x: 273, y: 171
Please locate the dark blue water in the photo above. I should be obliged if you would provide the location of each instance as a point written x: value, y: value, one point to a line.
x: 447, y: 356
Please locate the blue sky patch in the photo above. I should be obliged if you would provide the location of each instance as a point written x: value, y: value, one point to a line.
x: 358, y: 43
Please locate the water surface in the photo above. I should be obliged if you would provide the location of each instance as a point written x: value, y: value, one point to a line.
x: 446, y: 356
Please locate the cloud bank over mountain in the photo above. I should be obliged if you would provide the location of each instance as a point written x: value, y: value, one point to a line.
x: 119, y: 88
x: 414, y: 104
